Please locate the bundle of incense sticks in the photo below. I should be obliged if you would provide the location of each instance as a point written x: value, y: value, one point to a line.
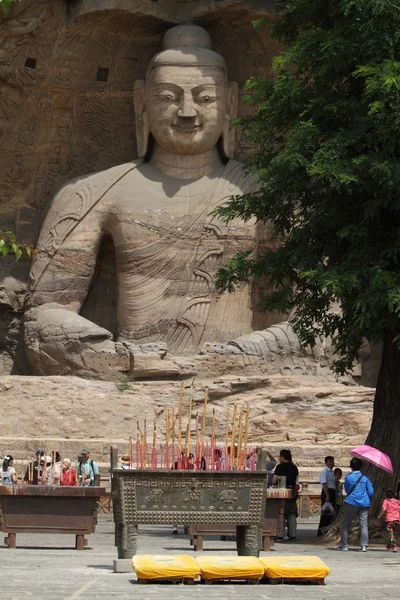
x: 177, y: 450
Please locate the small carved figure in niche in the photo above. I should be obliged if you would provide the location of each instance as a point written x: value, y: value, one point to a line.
x: 17, y: 170
x: 77, y: 44
x: 55, y: 162
x: 64, y: 129
x: 8, y: 107
x: 5, y: 192
x: 45, y: 102
x: 64, y: 73
x: 27, y: 137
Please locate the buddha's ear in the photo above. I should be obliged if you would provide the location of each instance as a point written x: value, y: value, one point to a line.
x: 141, y: 120
x: 228, y: 136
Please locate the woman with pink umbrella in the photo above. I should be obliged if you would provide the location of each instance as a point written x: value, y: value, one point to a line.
x: 359, y: 492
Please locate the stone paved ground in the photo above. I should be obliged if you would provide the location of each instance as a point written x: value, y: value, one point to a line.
x: 46, y: 567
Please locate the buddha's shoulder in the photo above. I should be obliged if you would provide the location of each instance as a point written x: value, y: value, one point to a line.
x: 238, y: 180
x: 93, y: 185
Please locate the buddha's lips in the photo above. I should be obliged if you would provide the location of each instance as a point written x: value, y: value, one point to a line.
x: 184, y: 127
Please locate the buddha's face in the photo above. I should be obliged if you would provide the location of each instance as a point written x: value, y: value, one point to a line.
x: 186, y: 107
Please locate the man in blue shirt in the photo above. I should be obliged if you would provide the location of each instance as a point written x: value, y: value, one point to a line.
x: 87, y: 469
x: 359, y: 492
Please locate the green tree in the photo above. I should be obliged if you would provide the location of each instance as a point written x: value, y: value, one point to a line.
x: 328, y: 131
x: 9, y: 245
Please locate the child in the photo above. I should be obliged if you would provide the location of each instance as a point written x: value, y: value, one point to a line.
x: 391, y: 510
x: 339, y: 490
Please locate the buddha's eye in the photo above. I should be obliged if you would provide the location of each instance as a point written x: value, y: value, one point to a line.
x: 170, y: 97
x: 206, y: 99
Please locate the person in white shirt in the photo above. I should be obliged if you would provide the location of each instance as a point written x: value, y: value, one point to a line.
x: 328, y: 494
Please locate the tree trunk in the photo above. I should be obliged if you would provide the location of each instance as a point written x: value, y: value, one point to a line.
x: 385, y: 428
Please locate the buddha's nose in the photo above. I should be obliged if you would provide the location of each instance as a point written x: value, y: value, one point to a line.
x: 187, y: 109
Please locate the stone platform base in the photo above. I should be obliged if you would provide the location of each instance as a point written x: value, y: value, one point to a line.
x: 122, y: 565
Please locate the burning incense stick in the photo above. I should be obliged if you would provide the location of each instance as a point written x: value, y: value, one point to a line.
x: 145, y: 445
x: 189, y: 426
x: 233, y: 437
x: 180, y: 422
x: 211, y: 461
x: 167, y: 440
x: 246, y: 429
x: 203, y: 424
x: 173, y: 418
x: 137, y: 445
x: 30, y: 471
x: 198, y: 445
x: 239, y: 450
x: 154, y: 452
x: 130, y: 452
x: 227, y: 438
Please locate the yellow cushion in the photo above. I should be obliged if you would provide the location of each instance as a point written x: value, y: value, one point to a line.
x: 225, y: 567
x: 296, y: 567
x: 165, y: 566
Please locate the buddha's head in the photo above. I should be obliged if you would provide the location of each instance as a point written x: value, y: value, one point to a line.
x: 186, y: 102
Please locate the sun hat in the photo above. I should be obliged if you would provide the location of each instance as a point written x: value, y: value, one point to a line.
x: 85, y: 451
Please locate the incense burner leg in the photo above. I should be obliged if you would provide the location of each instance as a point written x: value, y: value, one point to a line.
x: 11, y: 540
x: 127, y: 541
x: 248, y: 540
x: 79, y: 542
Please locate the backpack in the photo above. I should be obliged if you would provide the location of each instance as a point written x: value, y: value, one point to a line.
x: 6, y: 478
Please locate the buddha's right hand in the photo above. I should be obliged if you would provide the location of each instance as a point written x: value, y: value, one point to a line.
x: 61, y: 342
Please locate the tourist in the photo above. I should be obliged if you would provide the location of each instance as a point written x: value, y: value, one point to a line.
x: 53, y: 469
x: 391, y: 512
x: 125, y: 462
x: 287, y: 469
x: 270, y: 467
x: 87, y: 469
x: 68, y: 475
x: 328, y: 494
x: 339, y: 491
x: 38, y: 469
x: 359, y: 492
x: 8, y: 475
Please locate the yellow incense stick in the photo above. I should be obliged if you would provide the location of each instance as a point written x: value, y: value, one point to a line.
x: 198, y: 447
x: 145, y: 445
x: 233, y: 436
x: 227, y: 434
x: 246, y: 428
x: 173, y: 419
x: 238, y: 458
x: 180, y: 421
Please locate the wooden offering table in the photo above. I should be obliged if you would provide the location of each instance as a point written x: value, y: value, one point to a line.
x: 49, y: 509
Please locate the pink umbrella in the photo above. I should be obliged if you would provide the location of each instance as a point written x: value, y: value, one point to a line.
x: 374, y: 456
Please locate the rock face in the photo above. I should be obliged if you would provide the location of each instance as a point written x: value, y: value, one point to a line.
x: 300, y: 413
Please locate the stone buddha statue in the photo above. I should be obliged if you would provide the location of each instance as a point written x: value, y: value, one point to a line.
x: 168, y: 244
